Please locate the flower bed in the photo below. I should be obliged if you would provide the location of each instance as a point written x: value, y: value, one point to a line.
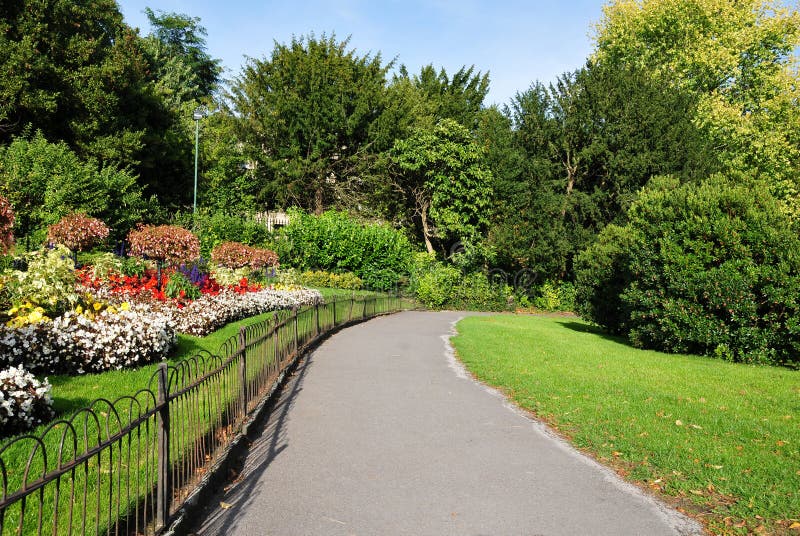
x: 75, y: 343
x: 24, y: 401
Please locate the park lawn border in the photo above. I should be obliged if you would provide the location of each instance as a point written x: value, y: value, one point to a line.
x: 680, y: 431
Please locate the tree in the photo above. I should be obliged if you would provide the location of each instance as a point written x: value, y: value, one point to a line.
x: 737, y: 57
x: 75, y: 71
x: 45, y: 181
x: 178, y: 44
x: 585, y: 147
x: 446, y: 183
x: 306, y: 117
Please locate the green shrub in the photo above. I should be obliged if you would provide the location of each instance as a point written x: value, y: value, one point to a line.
x: 46, y: 181
x: 555, y: 296
x: 711, y: 268
x: 320, y: 278
x: 48, y: 282
x: 336, y: 242
x: 438, y: 285
x: 179, y: 286
x: 214, y: 228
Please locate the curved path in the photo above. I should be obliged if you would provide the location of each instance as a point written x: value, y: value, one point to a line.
x: 380, y: 432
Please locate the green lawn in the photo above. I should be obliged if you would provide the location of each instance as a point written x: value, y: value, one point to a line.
x: 722, y: 439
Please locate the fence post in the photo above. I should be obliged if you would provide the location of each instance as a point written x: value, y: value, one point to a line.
x: 296, y: 338
x: 316, y: 318
x: 275, y: 342
x: 164, y: 485
x: 243, y: 371
x: 334, y: 312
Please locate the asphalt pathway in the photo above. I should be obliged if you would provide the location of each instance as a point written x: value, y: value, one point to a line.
x: 380, y: 432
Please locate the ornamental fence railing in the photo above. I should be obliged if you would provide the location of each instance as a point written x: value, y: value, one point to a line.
x: 126, y: 467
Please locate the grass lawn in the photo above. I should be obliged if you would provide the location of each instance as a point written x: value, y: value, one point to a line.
x: 722, y: 440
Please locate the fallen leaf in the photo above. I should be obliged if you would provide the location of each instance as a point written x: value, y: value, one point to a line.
x: 696, y: 491
x: 781, y: 443
x: 679, y: 423
x: 795, y: 525
x: 616, y: 453
x: 696, y: 426
x: 717, y: 466
x: 224, y: 505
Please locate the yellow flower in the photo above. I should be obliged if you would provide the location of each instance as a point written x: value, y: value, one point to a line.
x: 125, y: 306
x: 34, y: 317
x: 79, y: 309
x: 13, y: 311
x: 97, y: 306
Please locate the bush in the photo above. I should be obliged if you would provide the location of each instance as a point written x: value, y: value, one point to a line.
x: 48, y: 283
x: 438, y: 285
x: 25, y: 402
x: 235, y: 255
x: 555, y: 296
x: 319, y: 278
x: 179, y: 286
x: 165, y: 243
x: 214, y: 228
x: 336, y: 242
x: 77, y: 232
x: 711, y: 268
x: 47, y: 181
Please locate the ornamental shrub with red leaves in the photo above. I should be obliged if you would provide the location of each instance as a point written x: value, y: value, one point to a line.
x: 77, y: 232
x: 263, y: 258
x: 166, y: 243
x: 234, y: 255
x: 6, y: 225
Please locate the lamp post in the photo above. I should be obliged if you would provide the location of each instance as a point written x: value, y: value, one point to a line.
x: 199, y: 113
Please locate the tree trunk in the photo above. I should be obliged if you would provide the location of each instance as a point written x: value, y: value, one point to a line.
x: 572, y: 170
x: 425, y: 229
x: 319, y: 207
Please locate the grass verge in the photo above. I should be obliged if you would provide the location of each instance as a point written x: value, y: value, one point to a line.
x: 721, y: 440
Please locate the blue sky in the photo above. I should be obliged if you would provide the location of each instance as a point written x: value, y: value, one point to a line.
x: 516, y: 41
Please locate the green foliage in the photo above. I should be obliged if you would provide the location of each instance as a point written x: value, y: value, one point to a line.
x: 48, y: 282
x: 336, y: 242
x: 133, y: 266
x: 446, y: 183
x: 601, y: 277
x: 179, y: 286
x: 213, y: 228
x: 579, y: 152
x: 312, y: 105
x: 710, y: 268
x: 320, y: 278
x: 180, y: 38
x: 555, y: 296
x: 77, y: 72
x: 106, y: 263
x: 46, y: 181
x: 439, y: 285
x: 738, y: 59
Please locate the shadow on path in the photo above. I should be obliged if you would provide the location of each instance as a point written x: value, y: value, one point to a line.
x: 267, y: 440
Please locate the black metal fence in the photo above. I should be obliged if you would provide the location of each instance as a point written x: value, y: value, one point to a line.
x: 125, y: 467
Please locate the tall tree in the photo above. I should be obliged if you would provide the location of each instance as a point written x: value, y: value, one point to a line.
x: 177, y: 44
x: 738, y: 56
x: 589, y: 143
x: 446, y: 183
x: 459, y: 97
x: 307, y: 116
x: 77, y: 72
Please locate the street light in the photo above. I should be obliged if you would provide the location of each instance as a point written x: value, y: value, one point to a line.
x: 199, y: 113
